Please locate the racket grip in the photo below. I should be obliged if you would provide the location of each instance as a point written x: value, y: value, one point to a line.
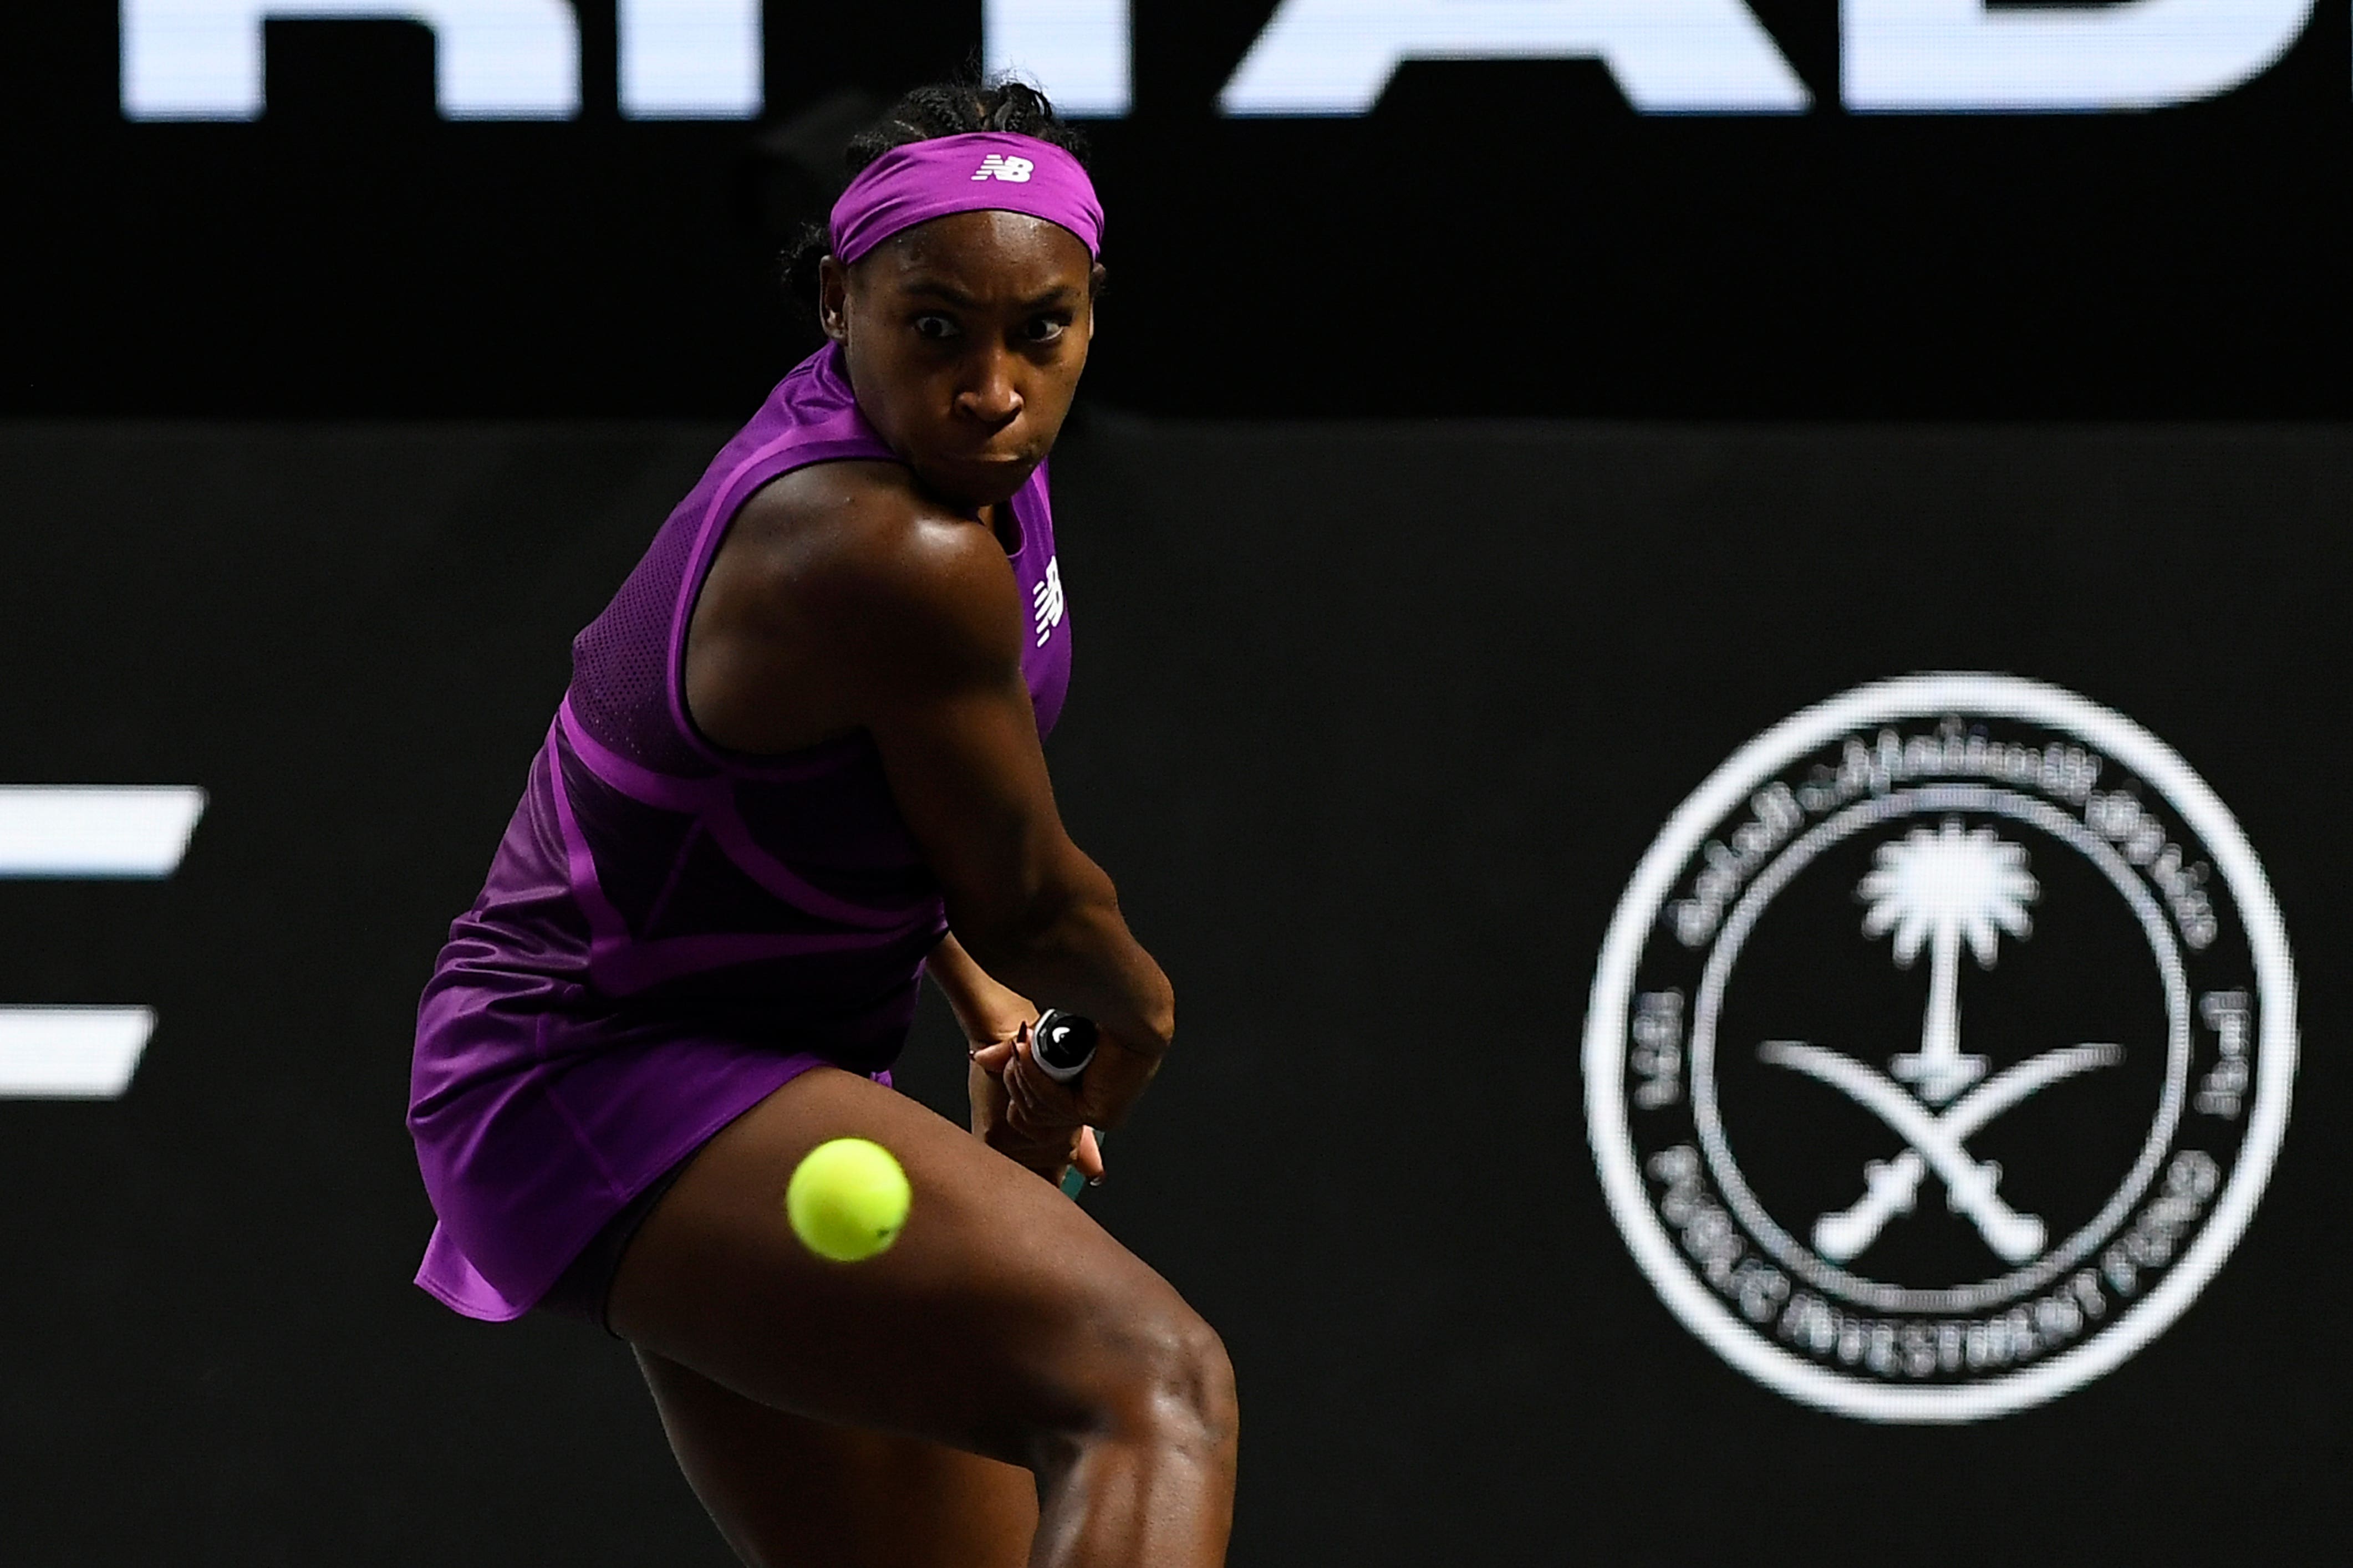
x: 1061, y: 1044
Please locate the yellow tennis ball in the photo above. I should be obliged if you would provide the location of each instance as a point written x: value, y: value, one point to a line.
x: 847, y: 1200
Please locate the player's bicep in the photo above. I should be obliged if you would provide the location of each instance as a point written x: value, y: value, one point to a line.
x: 945, y: 702
x: 969, y: 779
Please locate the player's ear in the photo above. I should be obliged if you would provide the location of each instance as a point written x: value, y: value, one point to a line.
x: 833, y: 298
x: 1094, y: 301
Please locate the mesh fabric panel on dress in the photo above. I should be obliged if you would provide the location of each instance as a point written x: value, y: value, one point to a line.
x: 620, y: 662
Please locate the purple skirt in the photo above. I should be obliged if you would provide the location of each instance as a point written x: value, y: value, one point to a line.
x: 538, y: 1114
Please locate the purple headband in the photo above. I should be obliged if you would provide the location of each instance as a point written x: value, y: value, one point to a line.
x: 978, y: 171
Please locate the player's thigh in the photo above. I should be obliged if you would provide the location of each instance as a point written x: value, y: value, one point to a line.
x: 786, y: 1490
x: 1001, y: 1314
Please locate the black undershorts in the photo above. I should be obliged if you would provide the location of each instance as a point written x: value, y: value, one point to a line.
x: 583, y: 1290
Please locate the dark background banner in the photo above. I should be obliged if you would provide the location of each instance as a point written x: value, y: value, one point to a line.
x: 1372, y: 722
x: 1494, y: 238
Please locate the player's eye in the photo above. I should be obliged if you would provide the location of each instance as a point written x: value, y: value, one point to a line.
x: 937, y: 328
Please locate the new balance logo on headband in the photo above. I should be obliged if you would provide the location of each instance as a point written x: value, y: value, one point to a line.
x: 994, y: 167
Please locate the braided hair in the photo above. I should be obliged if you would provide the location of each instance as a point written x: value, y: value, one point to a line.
x: 943, y: 108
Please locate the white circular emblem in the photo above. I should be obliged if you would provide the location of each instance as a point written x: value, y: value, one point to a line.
x: 1940, y: 1049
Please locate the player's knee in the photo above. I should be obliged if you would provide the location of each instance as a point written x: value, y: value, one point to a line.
x: 1178, y: 1387
x: 1204, y: 1387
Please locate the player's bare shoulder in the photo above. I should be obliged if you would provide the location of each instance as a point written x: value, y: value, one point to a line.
x: 837, y: 585
x: 859, y: 540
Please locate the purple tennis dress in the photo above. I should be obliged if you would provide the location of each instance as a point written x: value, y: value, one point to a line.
x: 671, y: 932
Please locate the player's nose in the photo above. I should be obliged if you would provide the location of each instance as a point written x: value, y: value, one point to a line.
x: 989, y: 394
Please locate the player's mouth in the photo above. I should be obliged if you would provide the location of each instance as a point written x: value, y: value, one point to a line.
x: 989, y: 459
x: 982, y: 475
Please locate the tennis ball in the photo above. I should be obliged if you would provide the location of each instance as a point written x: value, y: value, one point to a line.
x: 848, y: 1199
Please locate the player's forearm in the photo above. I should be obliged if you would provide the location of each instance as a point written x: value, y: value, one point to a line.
x: 983, y: 1006
x: 1111, y: 979
x: 1070, y: 948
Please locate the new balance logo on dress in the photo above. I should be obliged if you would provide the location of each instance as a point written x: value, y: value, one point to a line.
x: 1046, y: 599
x: 996, y: 167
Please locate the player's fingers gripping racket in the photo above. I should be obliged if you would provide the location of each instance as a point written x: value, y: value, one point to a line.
x: 1061, y: 1045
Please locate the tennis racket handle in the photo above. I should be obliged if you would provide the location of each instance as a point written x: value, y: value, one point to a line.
x: 1062, y: 1043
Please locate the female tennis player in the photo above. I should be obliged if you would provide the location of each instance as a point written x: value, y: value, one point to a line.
x: 797, y: 766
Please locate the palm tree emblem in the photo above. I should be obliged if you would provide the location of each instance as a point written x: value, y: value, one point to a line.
x: 1935, y: 889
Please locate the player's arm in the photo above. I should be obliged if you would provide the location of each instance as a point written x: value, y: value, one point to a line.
x: 920, y: 625
x: 942, y: 693
x: 988, y: 1011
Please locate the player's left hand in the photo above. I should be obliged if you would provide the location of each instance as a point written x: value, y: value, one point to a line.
x: 1025, y: 1115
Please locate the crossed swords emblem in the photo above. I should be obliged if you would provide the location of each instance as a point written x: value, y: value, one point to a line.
x: 1938, y: 889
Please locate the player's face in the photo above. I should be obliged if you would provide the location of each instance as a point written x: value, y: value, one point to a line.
x: 965, y: 337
